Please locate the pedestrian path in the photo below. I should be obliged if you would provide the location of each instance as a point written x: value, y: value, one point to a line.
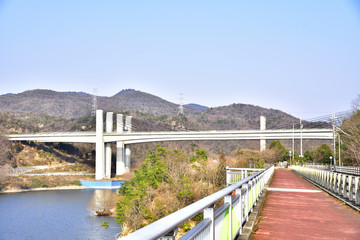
x: 296, y: 209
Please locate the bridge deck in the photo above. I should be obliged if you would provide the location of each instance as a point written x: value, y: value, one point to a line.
x: 292, y: 212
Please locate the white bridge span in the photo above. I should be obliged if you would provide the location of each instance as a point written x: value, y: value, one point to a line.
x: 124, y: 139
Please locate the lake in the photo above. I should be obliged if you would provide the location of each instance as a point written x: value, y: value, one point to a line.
x: 52, y: 215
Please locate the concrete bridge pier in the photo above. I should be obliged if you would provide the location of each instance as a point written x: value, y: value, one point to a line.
x: 99, y: 157
x: 128, y: 128
x: 127, y: 157
x: 262, y: 127
x: 103, y: 150
x: 109, y: 129
x: 120, y: 152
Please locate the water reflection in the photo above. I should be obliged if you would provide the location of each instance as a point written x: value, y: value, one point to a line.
x: 52, y: 215
x: 102, y: 203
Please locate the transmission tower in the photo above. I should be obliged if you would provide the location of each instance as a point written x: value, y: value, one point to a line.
x: 181, y: 105
x: 94, y: 105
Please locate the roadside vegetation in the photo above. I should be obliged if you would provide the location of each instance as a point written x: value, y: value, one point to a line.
x: 23, y: 182
x: 350, y: 136
x: 166, y: 181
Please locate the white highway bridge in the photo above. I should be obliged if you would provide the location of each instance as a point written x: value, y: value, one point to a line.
x: 123, y: 137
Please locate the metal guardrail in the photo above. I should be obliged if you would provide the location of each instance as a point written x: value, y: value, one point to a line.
x: 348, y: 186
x: 181, y: 132
x: 348, y: 170
x: 140, y: 137
x: 315, y: 165
x: 224, y: 223
x: 236, y: 174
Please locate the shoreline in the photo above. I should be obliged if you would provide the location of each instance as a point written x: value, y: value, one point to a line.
x: 45, y: 189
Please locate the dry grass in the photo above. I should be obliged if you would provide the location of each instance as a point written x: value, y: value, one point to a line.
x: 28, y: 182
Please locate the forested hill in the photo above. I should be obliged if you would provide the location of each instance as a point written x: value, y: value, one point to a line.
x: 243, y: 116
x: 150, y: 112
x: 74, y: 104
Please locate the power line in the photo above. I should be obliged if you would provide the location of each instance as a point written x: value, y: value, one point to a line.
x: 94, y: 105
x: 339, y: 117
x: 318, y: 122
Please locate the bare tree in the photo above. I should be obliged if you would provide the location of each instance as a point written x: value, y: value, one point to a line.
x: 351, y: 140
x: 4, y: 149
x: 355, y: 104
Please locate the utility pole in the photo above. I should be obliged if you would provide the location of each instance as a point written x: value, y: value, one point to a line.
x: 94, y: 105
x: 181, y: 105
x: 301, y: 143
x: 293, y: 143
x: 333, y: 123
x: 339, y: 140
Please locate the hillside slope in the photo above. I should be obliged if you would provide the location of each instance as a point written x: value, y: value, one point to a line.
x: 242, y: 117
x: 149, y: 111
x: 75, y: 105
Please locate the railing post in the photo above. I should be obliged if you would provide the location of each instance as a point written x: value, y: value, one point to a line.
x: 209, y: 213
x: 339, y: 184
x: 238, y: 192
x: 327, y: 181
x: 170, y: 235
x: 228, y: 199
x: 227, y: 176
x: 258, y: 188
x: 253, y: 193
x: 357, y: 195
x: 246, y: 204
x: 251, y: 188
x: 350, y: 188
x: 344, y: 190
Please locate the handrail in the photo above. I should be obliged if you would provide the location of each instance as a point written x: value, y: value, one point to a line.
x: 185, y: 132
x: 164, y: 225
x: 345, y: 185
x: 348, y: 170
x: 237, y: 174
x: 249, y: 169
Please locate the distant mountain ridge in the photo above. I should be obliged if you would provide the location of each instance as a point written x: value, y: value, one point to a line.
x: 145, y: 107
x: 197, y: 106
x: 78, y: 104
x: 6, y: 94
x: 125, y: 91
x: 78, y: 93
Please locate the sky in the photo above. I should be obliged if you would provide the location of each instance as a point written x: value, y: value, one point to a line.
x: 299, y: 56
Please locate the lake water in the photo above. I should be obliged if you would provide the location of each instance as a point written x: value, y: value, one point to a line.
x: 52, y: 215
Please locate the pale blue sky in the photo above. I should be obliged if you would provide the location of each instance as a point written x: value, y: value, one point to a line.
x: 299, y: 56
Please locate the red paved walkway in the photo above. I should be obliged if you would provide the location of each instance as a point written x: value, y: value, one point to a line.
x: 298, y: 215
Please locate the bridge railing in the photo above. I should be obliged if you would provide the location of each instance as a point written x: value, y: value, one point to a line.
x: 345, y: 185
x: 317, y: 165
x: 226, y: 222
x: 348, y: 170
x: 234, y: 175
